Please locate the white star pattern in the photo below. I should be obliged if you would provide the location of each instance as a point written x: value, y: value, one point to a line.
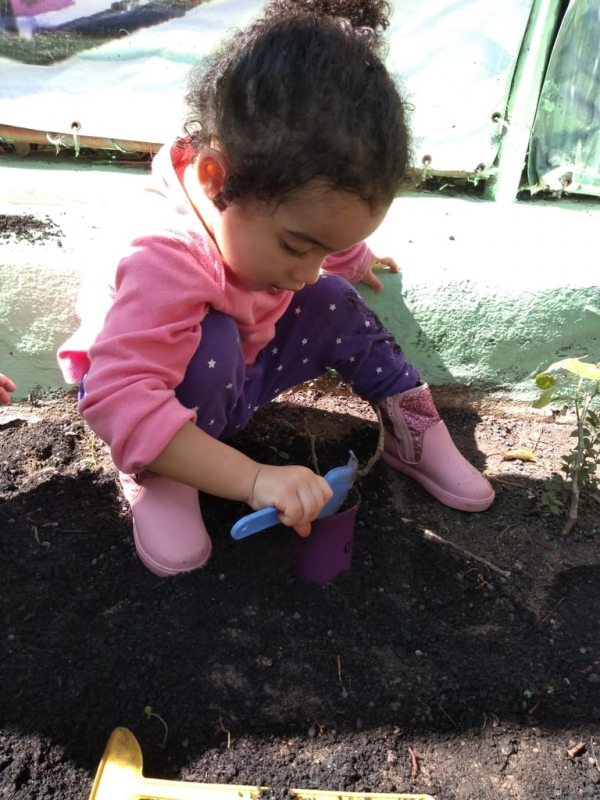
x: 367, y: 324
x: 304, y: 341
x: 212, y: 422
x: 333, y: 307
x: 229, y: 386
x: 378, y: 370
x: 338, y: 340
x: 279, y: 368
x: 275, y: 350
x: 297, y: 310
x: 212, y: 363
x: 195, y: 408
x: 351, y: 358
x: 305, y: 360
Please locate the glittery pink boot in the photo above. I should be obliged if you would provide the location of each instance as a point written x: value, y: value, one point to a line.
x: 168, y: 529
x: 418, y: 444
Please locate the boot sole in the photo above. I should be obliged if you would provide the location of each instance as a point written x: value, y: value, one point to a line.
x: 448, y: 499
x: 160, y: 569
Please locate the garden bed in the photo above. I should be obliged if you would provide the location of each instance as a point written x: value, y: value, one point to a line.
x: 459, y: 657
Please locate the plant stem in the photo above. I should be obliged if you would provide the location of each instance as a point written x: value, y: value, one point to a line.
x: 574, y: 505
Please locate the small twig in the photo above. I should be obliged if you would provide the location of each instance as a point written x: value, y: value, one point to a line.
x: 415, y: 764
x: 467, y: 553
x: 577, y: 750
x: 537, y: 441
x: 222, y: 729
x: 594, y: 754
x: 508, y: 483
x: 370, y: 463
x: 549, y: 614
x: 378, y: 450
x: 313, y: 453
x: 445, y: 713
x: 150, y: 713
x: 339, y: 668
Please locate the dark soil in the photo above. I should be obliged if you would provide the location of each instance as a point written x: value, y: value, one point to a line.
x: 479, y: 654
x: 26, y: 227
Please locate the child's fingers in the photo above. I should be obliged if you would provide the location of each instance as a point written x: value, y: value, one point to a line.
x: 306, y: 504
x: 372, y: 280
x: 303, y: 530
x: 4, y: 396
x: 6, y: 383
x: 387, y: 261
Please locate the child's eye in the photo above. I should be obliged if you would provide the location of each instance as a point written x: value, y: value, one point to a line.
x: 294, y: 253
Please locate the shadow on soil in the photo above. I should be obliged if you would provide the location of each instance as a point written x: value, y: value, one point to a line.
x: 416, y: 639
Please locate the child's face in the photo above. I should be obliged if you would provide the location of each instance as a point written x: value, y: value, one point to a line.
x: 283, y: 248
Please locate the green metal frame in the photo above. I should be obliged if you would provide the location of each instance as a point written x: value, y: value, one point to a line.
x: 533, y: 57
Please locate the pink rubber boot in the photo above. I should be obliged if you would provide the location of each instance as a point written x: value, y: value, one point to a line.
x: 418, y: 444
x: 168, y: 529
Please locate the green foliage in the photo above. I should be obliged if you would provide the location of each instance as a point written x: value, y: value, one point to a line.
x: 578, y: 382
x: 149, y: 712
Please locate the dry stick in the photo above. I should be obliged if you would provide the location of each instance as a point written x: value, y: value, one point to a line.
x: 594, y: 753
x: 379, y: 449
x: 445, y: 713
x: 549, y: 614
x: 415, y: 764
x: 436, y: 538
x: 428, y: 534
x: 222, y: 729
x: 370, y: 463
x: 313, y: 453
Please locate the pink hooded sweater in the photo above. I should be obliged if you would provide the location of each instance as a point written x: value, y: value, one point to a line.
x: 141, y: 324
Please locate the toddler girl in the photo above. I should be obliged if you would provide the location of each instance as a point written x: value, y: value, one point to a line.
x: 235, y: 286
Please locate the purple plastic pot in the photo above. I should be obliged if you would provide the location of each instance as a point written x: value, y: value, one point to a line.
x: 328, y: 550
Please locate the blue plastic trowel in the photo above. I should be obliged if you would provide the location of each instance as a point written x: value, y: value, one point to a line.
x: 341, y: 480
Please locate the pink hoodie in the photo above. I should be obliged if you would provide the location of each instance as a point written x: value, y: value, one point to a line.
x: 139, y: 331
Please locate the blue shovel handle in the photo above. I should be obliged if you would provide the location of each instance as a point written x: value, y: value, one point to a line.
x: 340, y: 479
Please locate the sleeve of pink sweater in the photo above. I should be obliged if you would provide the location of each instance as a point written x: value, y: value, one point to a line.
x: 140, y: 356
x: 350, y: 264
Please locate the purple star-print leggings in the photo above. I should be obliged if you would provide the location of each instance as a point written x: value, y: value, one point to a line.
x: 326, y: 326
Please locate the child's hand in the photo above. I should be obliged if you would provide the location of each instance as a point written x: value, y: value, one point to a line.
x: 6, y: 386
x: 297, y: 492
x: 371, y: 279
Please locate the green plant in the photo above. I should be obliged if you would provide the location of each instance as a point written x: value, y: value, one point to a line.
x: 579, y: 382
x: 150, y: 713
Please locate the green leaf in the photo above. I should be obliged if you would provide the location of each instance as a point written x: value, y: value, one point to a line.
x: 544, y: 399
x: 544, y: 381
x: 577, y: 367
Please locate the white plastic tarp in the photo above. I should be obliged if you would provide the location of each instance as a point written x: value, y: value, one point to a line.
x: 455, y: 60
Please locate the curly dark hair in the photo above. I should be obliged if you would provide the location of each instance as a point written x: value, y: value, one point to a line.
x: 302, y: 94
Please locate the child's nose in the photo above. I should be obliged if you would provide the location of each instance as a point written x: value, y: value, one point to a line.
x: 308, y: 273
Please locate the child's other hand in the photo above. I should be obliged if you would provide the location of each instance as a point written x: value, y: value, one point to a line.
x: 297, y: 492
x: 6, y: 386
x: 371, y: 279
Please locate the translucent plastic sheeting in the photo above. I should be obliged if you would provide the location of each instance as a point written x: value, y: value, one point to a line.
x: 455, y: 61
x: 565, y: 142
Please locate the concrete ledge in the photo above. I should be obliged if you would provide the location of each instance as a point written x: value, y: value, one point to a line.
x: 489, y: 293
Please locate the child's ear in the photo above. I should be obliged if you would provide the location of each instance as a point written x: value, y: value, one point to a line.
x: 211, y: 171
